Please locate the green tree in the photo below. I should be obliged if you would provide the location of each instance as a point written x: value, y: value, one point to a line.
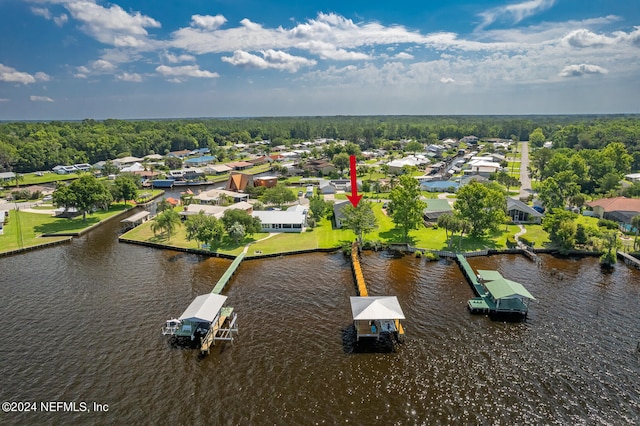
x: 406, y: 206
x: 163, y: 205
x: 341, y: 161
x: 8, y: 156
x: 414, y: 147
x: 319, y: 207
x: 450, y: 223
x: 173, y: 163
x: 550, y: 194
x: 204, y: 228
x: 251, y: 224
x: 537, y: 138
x: 109, y: 168
x: 85, y: 194
x: 559, y: 223
x: 278, y: 195
x: 167, y: 221
x: 124, y: 188
x: 635, y: 222
x: 361, y: 220
x: 483, y: 206
x: 236, y: 232
x: 611, y: 245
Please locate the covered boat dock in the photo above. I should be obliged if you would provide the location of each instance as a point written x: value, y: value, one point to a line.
x: 376, y: 315
x: 205, y: 319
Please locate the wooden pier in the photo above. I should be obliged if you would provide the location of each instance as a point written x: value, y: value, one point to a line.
x: 372, y: 327
x: 224, y: 279
x: 357, y: 271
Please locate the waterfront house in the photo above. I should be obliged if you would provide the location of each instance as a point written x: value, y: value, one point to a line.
x: 213, y: 196
x: 292, y: 220
x: 619, y: 209
x: 200, y: 161
x: 239, y: 165
x: 179, y: 154
x: 338, y: 214
x: 126, y: 161
x: 7, y: 176
x: 520, y: 212
x: 239, y: 182
x: 266, y: 181
x: 435, y: 209
x: 217, y: 169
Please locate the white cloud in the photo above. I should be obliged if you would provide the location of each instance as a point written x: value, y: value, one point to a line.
x: 185, y: 71
x: 102, y: 66
x: 271, y: 59
x: 133, y: 77
x: 111, y: 25
x: 585, y: 38
x: 329, y: 51
x: 40, y: 99
x: 208, y: 22
x: 46, y: 14
x: 174, y: 59
x: 447, y: 80
x: 404, y: 56
x: 11, y: 75
x: 41, y: 11
x: 514, y: 12
x: 40, y: 76
x: 61, y: 20
x: 581, y: 70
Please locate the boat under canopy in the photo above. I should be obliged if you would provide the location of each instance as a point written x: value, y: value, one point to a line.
x: 374, y: 315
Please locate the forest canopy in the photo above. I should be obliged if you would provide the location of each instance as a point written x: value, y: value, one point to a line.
x: 32, y: 146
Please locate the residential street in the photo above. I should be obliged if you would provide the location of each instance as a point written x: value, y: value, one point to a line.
x: 525, y: 180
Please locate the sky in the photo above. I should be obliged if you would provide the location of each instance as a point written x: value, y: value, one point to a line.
x: 76, y: 59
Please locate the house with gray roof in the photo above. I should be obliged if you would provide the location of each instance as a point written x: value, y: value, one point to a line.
x: 520, y: 212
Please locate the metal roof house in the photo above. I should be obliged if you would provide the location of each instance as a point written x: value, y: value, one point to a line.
x: 375, y: 315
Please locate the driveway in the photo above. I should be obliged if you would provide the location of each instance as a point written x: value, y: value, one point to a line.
x: 525, y: 180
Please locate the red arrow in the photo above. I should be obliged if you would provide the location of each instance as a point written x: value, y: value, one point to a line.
x: 354, y: 197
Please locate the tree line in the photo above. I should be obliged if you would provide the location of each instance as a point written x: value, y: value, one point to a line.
x: 32, y: 146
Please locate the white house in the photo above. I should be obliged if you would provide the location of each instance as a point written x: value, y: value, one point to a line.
x: 292, y: 220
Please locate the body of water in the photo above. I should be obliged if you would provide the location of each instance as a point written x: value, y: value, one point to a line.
x: 81, y: 322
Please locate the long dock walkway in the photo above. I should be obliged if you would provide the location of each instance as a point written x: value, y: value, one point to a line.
x: 360, y: 283
x: 224, y: 279
x: 471, y: 276
x: 357, y: 271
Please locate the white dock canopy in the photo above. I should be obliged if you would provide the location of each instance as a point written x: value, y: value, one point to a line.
x: 375, y: 308
x: 204, y: 308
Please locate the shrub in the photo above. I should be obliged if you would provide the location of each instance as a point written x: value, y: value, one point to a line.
x: 430, y: 256
x: 609, y: 224
x: 418, y: 254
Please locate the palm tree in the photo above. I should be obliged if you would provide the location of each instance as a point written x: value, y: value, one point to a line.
x: 635, y: 222
x: 167, y: 221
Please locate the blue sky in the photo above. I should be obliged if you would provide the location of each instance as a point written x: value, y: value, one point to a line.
x: 74, y: 59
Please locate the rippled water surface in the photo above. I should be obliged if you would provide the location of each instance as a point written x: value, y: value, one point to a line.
x: 81, y: 322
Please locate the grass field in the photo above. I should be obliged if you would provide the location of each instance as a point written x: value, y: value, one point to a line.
x: 25, y: 229
x: 324, y: 236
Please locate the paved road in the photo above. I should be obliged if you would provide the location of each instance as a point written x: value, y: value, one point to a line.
x: 525, y: 180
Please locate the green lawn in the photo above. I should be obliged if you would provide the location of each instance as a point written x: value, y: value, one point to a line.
x: 33, y: 179
x: 33, y: 225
